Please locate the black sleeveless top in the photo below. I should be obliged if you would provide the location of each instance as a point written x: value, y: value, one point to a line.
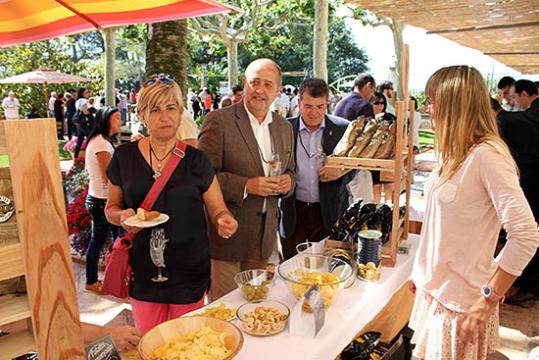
x: 186, y: 254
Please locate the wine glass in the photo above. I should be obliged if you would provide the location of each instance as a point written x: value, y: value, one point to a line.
x: 275, y: 168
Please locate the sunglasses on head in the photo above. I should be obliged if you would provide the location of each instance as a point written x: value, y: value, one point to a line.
x: 162, y: 78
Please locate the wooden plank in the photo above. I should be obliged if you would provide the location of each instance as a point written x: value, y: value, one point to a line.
x: 41, y: 220
x: 3, y: 147
x: 16, y: 344
x: 13, y: 308
x: 11, y: 263
x: 361, y: 163
x: 394, y: 316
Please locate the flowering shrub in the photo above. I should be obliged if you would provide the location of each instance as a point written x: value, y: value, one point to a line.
x: 78, y: 220
x: 79, y: 224
x: 70, y: 145
x: 76, y: 179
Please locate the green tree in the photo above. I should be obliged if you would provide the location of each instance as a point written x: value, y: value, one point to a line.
x: 55, y: 54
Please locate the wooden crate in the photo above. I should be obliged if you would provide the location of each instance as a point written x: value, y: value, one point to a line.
x: 402, y: 165
x: 41, y: 250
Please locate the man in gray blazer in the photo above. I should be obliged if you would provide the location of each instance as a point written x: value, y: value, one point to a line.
x: 242, y: 142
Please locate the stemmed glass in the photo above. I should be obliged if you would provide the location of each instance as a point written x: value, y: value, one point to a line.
x: 276, y: 169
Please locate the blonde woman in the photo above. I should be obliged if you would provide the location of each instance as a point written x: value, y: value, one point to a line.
x: 471, y: 194
x: 171, y: 262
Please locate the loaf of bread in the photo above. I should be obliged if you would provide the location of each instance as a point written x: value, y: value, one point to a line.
x: 349, y: 138
x: 145, y: 215
x: 387, y: 148
x: 363, y: 140
x: 376, y: 141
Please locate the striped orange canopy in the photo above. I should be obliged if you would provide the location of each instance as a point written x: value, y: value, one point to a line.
x: 23, y: 21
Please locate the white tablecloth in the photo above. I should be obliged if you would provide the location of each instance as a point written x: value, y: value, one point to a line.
x: 351, y: 311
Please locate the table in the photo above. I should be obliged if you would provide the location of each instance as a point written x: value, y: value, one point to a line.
x: 352, y: 310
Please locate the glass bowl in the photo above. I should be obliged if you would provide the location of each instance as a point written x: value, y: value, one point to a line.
x: 302, y: 271
x: 265, y: 318
x: 254, y: 284
x: 310, y: 248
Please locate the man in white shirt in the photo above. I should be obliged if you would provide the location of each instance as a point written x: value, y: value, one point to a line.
x: 11, y: 106
x: 243, y: 141
x: 52, y: 99
x: 282, y: 104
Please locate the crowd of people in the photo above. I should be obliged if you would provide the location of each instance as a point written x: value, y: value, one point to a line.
x: 227, y: 200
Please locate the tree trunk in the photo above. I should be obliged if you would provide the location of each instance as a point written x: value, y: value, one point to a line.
x: 232, y: 57
x: 397, y: 29
x: 166, y: 51
x: 109, y: 66
x: 320, y: 40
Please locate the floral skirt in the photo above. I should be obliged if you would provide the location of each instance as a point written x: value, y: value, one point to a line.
x: 435, y: 332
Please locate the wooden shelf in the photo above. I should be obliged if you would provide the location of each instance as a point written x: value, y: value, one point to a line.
x: 385, y: 165
x: 11, y: 264
x: 14, y: 308
x: 16, y: 344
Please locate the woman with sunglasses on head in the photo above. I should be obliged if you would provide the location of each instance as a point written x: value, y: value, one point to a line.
x: 99, y: 151
x: 473, y: 192
x: 379, y: 106
x: 178, y: 283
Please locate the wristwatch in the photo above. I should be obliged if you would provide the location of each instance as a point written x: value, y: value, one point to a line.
x: 488, y: 292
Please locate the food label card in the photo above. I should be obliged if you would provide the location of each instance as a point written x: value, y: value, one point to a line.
x: 102, y: 349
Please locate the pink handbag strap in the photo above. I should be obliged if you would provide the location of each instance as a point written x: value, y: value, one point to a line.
x: 177, y: 155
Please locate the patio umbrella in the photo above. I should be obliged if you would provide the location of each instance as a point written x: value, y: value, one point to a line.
x: 27, y: 21
x: 44, y: 76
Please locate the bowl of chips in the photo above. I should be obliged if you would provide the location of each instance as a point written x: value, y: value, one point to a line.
x: 254, y: 284
x: 265, y: 318
x: 191, y: 337
x: 221, y: 311
x: 329, y: 274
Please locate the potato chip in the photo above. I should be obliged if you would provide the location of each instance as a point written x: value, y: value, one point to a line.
x: 204, y: 344
x: 221, y: 312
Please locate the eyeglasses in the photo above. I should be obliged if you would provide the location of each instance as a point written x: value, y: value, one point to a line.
x: 315, y: 107
x: 378, y: 103
x: 162, y: 78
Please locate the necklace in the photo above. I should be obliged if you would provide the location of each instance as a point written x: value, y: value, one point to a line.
x: 309, y: 155
x: 157, y: 173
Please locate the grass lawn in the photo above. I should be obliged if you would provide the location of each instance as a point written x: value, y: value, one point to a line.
x: 4, y: 162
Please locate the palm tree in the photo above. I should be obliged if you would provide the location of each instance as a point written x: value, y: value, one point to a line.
x: 166, y: 50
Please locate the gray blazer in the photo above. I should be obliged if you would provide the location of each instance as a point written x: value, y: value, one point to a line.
x: 228, y: 139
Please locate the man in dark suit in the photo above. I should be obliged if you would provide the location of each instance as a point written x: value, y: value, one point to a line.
x: 520, y: 131
x: 243, y: 142
x: 320, y: 195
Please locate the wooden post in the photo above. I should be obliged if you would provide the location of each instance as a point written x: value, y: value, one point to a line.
x: 41, y: 221
x: 404, y: 71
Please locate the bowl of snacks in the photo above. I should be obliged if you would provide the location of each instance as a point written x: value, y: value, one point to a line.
x: 221, y: 311
x: 254, y: 284
x: 265, y: 318
x: 330, y: 274
x: 192, y: 337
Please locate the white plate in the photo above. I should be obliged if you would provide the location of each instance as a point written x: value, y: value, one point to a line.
x: 134, y: 221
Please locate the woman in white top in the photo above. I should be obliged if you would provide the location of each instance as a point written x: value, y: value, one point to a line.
x: 99, y: 151
x: 474, y: 191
